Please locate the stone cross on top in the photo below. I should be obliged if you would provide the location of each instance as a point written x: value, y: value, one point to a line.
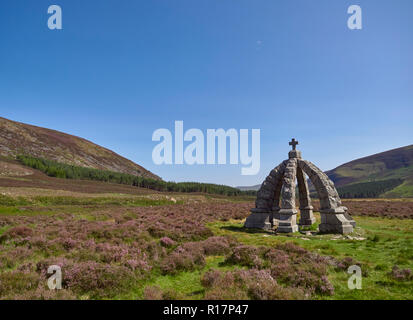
x: 293, y: 143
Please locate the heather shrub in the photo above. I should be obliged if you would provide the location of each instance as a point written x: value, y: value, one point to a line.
x: 246, y: 284
x: 26, y: 267
x: 112, y: 253
x: 262, y: 286
x: 401, y: 274
x: 277, y: 256
x: 97, y: 279
x: 344, y: 264
x: 68, y: 243
x: 245, y: 255
x: 16, y: 282
x: 210, y: 278
x: 171, y: 294
x: 264, y: 290
x: 297, y: 267
x: 43, y: 265
x: 200, y: 233
x: 167, y: 242
x: 39, y: 242
x: 83, y: 254
x: 136, y: 264
x: 188, y: 256
x: 89, y: 277
x: 154, y: 251
x: 157, y: 231
x: 152, y: 293
x: 17, y: 232
x: 288, y: 264
x: 43, y: 293
x: 105, y: 253
x: 216, y: 246
x: 156, y: 293
x: 226, y: 293
x: 310, y: 282
x: 221, y: 286
x: 6, y: 261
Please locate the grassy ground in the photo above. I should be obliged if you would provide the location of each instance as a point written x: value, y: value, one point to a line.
x: 386, y: 242
x: 185, y: 285
x: 377, y: 243
x: 382, y: 243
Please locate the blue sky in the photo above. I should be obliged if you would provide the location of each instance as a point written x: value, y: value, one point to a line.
x: 121, y: 69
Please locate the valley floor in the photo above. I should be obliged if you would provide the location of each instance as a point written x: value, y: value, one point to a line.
x: 120, y: 245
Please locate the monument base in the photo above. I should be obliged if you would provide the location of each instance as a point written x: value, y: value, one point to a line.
x: 306, y: 216
x: 259, y: 220
x: 335, y: 221
x: 349, y: 218
x: 275, y: 215
x: 288, y: 221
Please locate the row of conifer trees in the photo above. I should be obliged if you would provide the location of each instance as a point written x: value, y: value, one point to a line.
x: 371, y: 189
x: 66, y: 171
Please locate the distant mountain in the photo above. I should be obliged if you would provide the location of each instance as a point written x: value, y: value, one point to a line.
x: 392, y: 165
x: 19, y: 138
x: 253, y: 188
x: 386, y: 174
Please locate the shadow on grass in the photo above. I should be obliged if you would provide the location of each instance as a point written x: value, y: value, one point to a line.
x: 245, y: 230
x: 197, y: 292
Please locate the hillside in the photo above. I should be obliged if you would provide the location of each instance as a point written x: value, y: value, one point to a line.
x: 385, y: 166
x: 388, y: 174
x: 19, y: 138
x: 251, y: 188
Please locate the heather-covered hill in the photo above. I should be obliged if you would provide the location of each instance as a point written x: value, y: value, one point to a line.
x: 386, y: 174
x: 19, y: 138
x: 385, y: 166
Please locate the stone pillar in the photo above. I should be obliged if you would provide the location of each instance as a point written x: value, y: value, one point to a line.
x: 288, y: 212
x: 259, y: 219
x: 306, y: 210
x: 335, y: 221
x: 276, y: 204
x: 348, y: 217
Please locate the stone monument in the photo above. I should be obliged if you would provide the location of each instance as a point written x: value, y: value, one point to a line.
x: 281, y: 183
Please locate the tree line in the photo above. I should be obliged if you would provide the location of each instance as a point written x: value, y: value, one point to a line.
x: 371, y: 189
x: 66, y: 171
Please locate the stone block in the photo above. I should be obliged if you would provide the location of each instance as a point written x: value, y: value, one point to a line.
x: 306, y: 216
x: 259, y: 220
x: 294, y: 154
x: 334, y: 222
x: 287, y: 221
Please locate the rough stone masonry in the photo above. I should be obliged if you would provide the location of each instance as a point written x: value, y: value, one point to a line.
x: 280, y: 184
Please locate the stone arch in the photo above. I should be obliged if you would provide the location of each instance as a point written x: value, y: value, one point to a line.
x: 306, y: 209
x: 327, y: 193
x: 269, y: 193
x: 289, y: 184
x: 277, y: 194
x: 303, y: 191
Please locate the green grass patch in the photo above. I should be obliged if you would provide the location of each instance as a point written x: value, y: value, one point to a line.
x: 49, y: 201
x: 388, y: 242
x: 186, y: 284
